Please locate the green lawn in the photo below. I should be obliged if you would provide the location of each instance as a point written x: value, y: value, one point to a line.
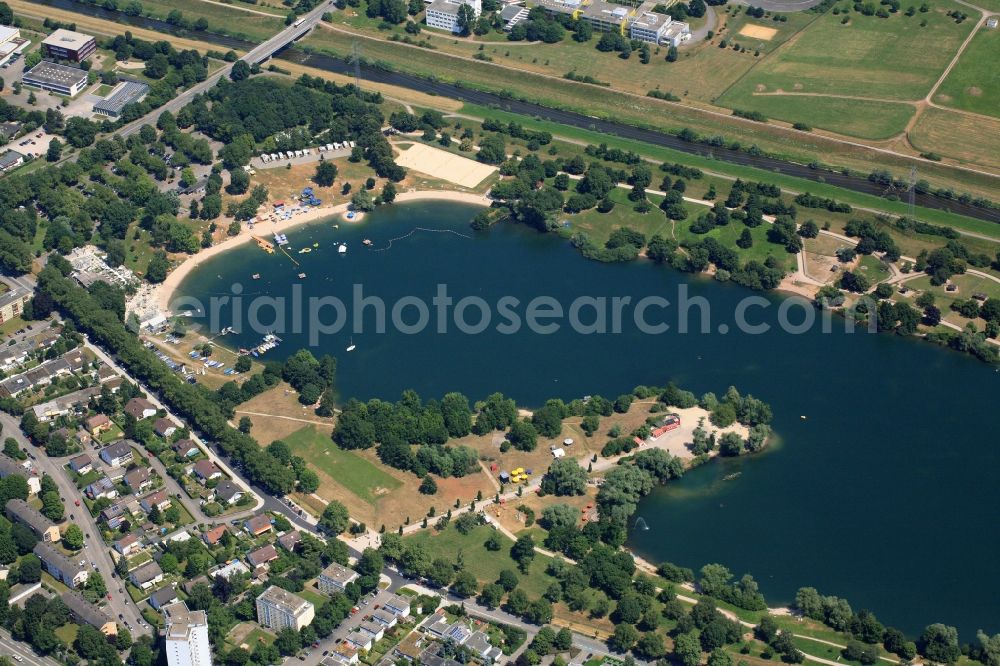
x: 868, y: 57
x: 67, y: 633
x: 873, y: 268
x: 11, y: 325
x: 233, y: 20
x: 312, y: 596
x: 974, y: 83
x: 350, y: 470
x: 864, y: 119
x: 484, y: 564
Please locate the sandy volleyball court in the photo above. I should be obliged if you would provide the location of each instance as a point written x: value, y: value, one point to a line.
x: 758, y: 32
x: 444, y: 165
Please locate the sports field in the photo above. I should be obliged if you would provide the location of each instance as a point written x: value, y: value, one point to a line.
x: 893, y: 58
x: 444, y: 165
x: 974, y: 83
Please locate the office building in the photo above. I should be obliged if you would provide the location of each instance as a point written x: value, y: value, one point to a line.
x: 69, y: 45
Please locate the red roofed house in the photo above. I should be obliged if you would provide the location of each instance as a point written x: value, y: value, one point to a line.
x: 206, y: 470
x: 258, y: 525
x: 164, y: 427
x: 214, y: 535
x: 97, y: 424
x: 262, y: 555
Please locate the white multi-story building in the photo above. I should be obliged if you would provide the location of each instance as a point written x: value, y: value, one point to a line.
x: 278, y: 608
x: 443, y: 14
x: 186, y: 636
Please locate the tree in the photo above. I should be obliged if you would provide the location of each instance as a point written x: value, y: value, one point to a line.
x: 492, y: 149
x: 465, y: 585
x: 389, y: 190
x: 288, y: 641
x: 687, y: 649
x: 326, y: 173
x: 54, y: 152
x: 335, y: 518
x: 240, y: 71
x: 72, y: 538
x: 939, y: 643
x: 428, y: 486
x: 362, y: 201
x: 623, y: 638
x: 523, y: 552
x: 523, y: 435
x: 52, y: 506
x: 564, y: 477
x: 30, y: 569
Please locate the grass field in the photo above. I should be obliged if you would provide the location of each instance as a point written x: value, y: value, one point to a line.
x: 865, y: 119
x: 873, y: 268
x: 869, y: 57
x: 353, y: 472
x: 484, y: 564
x: 966, y: 138
x: 231, y: 20
x: 974, y: 83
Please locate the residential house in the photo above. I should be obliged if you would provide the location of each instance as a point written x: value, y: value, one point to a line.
x: 81, y: 464
x: 227, y: 571
x: 186, y: 448
x: 163, y: 597
x: 160, y: 499
x: 65, y: 404
x: 344, y: 654
x: 289, y: 540
x: 84, y: 612
x: 140, y: 408
x: 146, y: 576
x: 118, y: 454
x: 359, y: 640
x: 278, y: 608
x: 214, y: 535
x: 228, y: 492
x: 373, y: 629
x: 59, y: 566
x: 335, y: 578
x: 137, y: 479
x: 398, y: 605
x: 206, y: 470
x: 388, y: 620
x: 481, y: 647
x: 103, y: 487
x: 97, y: 424
x: 114, y: 514
x: 164, y: 427
x: 258, y: 525
x: 262, y: 555
x: 42, y: 375
x: 128, y: 544
x: 11, y: 159
x: 21, y: 512
x: 11, y: 467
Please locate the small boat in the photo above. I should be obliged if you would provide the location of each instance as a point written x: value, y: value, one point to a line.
x: 305, y: 250
x: 368, y: 242
x: 351, y: 346
x: 256, y: 276
x: 342, y: 249
x: 315, y: 244
x: 302, y: 275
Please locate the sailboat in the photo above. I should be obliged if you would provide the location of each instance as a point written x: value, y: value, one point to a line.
x: 351, y: 346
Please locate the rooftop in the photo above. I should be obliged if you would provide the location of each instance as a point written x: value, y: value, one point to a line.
x: 284, y: 599
x: 29, y: 515
x: 83, y: 610
x: 339, y: 573
x: 180, y: 620
x: 605, y: 11
x: 124, y: 94
x: 55, y: 74
x: 651, y: 21
x: 67, y: 39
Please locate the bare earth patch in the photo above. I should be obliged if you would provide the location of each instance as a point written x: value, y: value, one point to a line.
x: 758, y: 32
x: 760, y: 87
x: 444, y: 165
x: 974, y: 91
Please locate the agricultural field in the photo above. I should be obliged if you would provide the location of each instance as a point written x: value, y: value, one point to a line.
x: 970, y: 139
x: 974, y: 83
x: 865, y: 119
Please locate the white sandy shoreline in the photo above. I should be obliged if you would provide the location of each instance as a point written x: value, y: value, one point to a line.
x: 164, y: 292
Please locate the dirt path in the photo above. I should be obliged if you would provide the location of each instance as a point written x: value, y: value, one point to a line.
x: 325, y: 424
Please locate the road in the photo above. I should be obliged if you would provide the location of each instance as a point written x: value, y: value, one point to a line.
x: 94, y: 550
x: 10, y: 647
x: 257, y: 54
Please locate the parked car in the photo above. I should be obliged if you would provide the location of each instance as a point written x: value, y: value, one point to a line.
x: 77, y: 502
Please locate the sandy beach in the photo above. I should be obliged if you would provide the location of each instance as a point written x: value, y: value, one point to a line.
x: 163, y: 293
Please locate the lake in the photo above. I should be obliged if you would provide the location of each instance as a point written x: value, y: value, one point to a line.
x: 885, y: 494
